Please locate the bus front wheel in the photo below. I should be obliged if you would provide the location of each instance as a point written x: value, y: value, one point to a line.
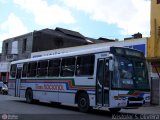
x: 83, y: 102
x: 29, y: 96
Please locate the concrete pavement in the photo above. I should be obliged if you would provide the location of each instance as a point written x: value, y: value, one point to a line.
x: 149, y: 109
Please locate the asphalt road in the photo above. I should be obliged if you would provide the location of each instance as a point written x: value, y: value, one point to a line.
x: 14, y: 108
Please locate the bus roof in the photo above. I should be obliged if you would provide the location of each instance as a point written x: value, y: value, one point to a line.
x: 67, y: 54
x: 75, y: 51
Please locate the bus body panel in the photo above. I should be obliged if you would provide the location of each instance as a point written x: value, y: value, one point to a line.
x: 64, y: 89
x: 121, y: 98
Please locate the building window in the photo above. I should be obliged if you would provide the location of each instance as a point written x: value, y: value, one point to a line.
x: 14, y: 49
x: 24, y: 46
x: 6, y: 48
x: 158, y: 1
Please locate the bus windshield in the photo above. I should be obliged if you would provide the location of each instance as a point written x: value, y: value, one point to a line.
x: 130, y: 73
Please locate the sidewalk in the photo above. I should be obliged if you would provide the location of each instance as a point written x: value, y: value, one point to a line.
x: 152, y: 109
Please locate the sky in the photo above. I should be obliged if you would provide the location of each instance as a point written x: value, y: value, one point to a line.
x: 113, y: 19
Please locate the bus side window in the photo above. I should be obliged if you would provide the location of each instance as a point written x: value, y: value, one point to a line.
x: 25, y: 68
x: 54, y: 67
x: 32, y: 69
x: 68, y: 66
x: 13, y: 70
x: 85, y: 65
x: 42, y: 68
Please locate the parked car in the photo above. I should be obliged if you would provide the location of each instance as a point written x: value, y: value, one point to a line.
x: 3, y: 88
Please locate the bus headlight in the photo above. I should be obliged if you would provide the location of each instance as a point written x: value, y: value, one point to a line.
x: 147, y: 98
x: 120, y: 97
x: 116, y: 97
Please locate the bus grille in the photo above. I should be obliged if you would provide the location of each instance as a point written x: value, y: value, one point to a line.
x: 135, y: 98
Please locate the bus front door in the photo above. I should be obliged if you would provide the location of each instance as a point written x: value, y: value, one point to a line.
x: 102, y: 81
x: 17, y: 85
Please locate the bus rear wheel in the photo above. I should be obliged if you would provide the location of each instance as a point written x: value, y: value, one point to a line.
x: 83, y: 102
x: 29, y: 96
x: 114, y: 110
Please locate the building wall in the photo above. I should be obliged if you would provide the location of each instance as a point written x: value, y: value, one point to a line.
x: 21, y: 47
x: 47, y: 41
x: 153, y: 53
x: 153, y: 43
x: 154, y: 40
x: 155, y: 92
x: 13, y: 48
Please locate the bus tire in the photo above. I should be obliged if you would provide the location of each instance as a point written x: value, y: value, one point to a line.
x: 83, y: 102
x: 29, y: 96
x: 114, y: 110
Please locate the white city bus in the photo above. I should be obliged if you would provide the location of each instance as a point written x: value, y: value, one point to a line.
x: 104, y: 77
